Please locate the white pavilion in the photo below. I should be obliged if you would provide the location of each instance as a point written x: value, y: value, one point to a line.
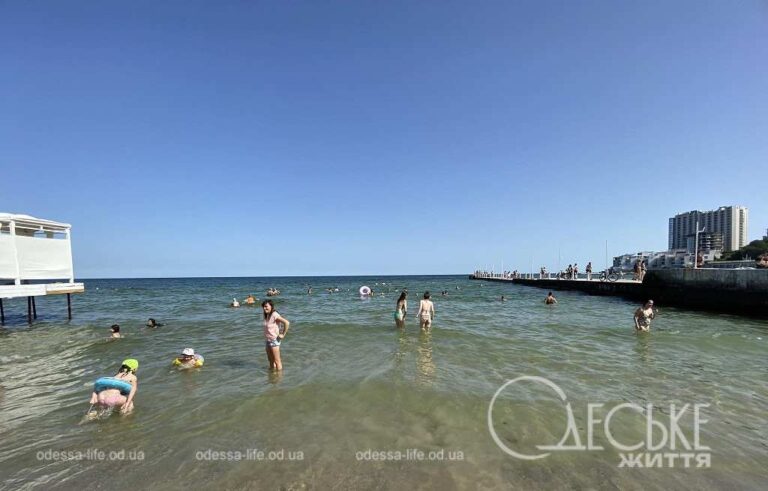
x: 35, y: 260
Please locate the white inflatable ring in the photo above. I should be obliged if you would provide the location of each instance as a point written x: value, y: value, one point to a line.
x: 365, y: 291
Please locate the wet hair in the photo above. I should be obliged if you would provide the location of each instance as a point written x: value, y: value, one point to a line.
x: 265, y: 302
x: 549, y: 294
x: 125, y: 369
x: 115, y: 328
x: 426, y: 295
x: 402, y: 297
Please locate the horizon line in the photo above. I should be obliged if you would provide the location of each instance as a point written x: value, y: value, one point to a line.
x: 275, y: 276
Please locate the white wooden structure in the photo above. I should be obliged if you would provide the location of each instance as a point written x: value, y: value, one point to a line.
x: 35, y: 260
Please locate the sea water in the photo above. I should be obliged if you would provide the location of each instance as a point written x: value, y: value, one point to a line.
x: 361, y: 404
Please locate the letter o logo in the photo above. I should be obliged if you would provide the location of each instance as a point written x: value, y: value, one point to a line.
x: 501, y: 445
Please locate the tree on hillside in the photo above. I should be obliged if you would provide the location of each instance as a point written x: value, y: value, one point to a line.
x: 753, y: 250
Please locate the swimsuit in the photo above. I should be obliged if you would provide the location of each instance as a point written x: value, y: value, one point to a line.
x: 426, y: 315
x: 399, y: 313
x: 271, y: 331
x: 644, y: 320
x: 112, y: 400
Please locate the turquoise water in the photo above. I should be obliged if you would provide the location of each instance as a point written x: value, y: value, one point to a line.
x: 354, y: 385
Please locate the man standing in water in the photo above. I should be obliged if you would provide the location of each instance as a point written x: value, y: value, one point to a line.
x: 643, y: 317
x: 550, y: 300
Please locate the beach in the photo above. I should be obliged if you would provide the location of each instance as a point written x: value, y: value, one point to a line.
x: 360, y: 404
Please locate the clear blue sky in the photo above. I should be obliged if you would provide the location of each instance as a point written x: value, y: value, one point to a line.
x: 189, y: 138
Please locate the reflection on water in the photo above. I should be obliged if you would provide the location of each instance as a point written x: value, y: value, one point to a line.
x: 425, y: 363
x: 352, y: 381
x: 275, y: 377
x: 643, y: 346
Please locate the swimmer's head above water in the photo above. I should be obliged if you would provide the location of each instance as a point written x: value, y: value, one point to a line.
x: 187, y: 354
x: 129, y: 366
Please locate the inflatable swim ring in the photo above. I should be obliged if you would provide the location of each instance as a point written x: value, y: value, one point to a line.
x: 365, y: 291
x: 105, y: 383
x: 199, y: 360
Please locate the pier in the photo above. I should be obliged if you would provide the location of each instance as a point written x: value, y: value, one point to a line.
x: 623, y: 288
x: 737, y: 291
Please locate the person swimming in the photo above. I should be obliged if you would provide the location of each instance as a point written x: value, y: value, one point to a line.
x: 188, y: 359
x: 109, y: 398
x: 550, y: 300
x: 234, y: 303
x: 115, y: 330
x: 426, y: 312
x: 250, y: 300
x: 153, y: 323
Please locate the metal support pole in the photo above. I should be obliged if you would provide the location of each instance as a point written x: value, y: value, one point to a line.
x: 2, y: 313
x: 69, y: 305
x: 29, y: 310
x: 34, y: 308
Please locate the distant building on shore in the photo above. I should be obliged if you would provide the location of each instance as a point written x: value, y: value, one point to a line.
x: 680, y: 258
x: 727, y: 225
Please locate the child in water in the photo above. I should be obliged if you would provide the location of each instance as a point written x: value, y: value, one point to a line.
x: 426, y: 312
x: 188, y: 359
x: 108, y: 398
x: 115, y: 329
x: 272, y: 333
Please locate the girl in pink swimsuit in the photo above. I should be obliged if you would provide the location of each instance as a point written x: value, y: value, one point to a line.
x: 273, y: 334
x: 113, y: 398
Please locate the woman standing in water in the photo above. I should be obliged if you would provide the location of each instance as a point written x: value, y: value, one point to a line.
x: 273, y: 334
x: 643, y: 317
x: 426, y: 312
x: 401, y: 309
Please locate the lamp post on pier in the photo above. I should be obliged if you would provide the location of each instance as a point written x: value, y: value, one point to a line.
x: 696, y: 246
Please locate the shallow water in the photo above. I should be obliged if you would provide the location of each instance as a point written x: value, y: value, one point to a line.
x: 354, y: 385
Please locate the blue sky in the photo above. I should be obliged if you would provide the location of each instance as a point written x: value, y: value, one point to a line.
x: 318, y: 137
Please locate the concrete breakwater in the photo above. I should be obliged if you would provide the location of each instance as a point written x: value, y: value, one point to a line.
x: 739, y: 291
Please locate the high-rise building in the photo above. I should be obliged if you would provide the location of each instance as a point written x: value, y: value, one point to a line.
x: 730, y: 221
x: 708, y: 241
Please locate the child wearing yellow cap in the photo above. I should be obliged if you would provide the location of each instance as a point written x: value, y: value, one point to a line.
x: 117, y: 391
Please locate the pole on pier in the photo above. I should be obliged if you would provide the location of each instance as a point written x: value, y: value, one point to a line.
x: 69, y: 305
x: 29, y: 310
x: 2, y: 313
x: 34, y: 308
x: 696, y: 245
